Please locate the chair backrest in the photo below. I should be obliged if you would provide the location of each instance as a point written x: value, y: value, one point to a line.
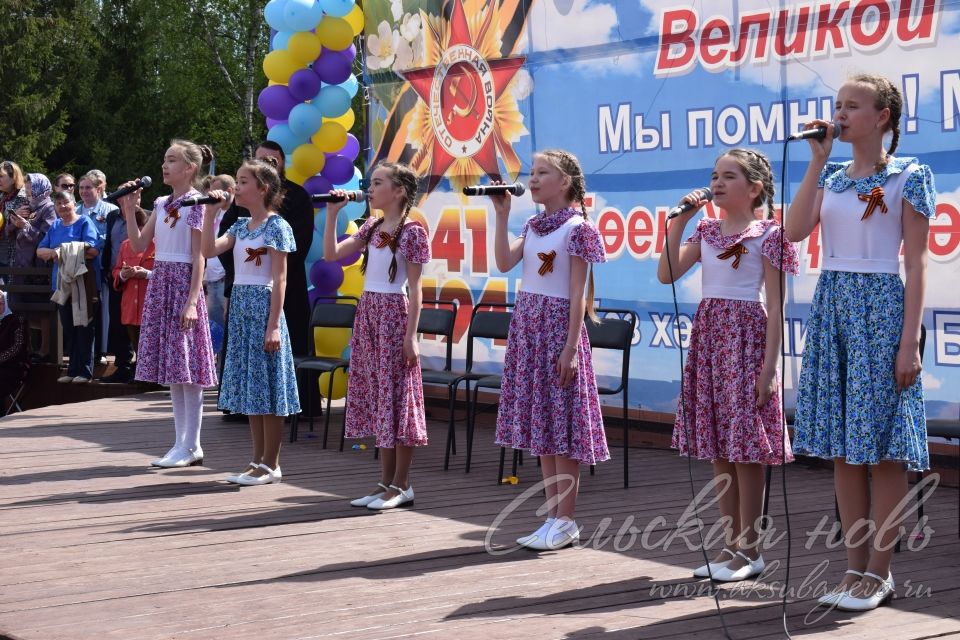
x: 327, y: 313
x: 437, y: 320
x: 614, y: 333
x: 493, y: 325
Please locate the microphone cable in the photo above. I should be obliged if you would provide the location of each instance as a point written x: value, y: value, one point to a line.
x: 781, y: 277
x: 715, y: 592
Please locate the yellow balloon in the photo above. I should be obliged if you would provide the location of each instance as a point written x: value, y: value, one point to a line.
x: 330, y: 137
x: 352, y: 228
x: 295, y: 176
x: 330, y: 343
x: 339, y: 384
x: 352, y: 281
x: 304, y: 47
x: 307, y: 160
x: 270, y: 83
x: 346, y: 120
x: 279, y: 65
x: 355, y: 19
x: 335, y: 34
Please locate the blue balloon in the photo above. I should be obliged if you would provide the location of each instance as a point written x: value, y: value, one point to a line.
x: 343, y: 219
x: 333, y: 101
x: 305, y: 120
x: 350, y: 85
x: 273, y: 13
x: 336, y: 8
x: 316, y: 247
x: 287, y: 139
x: 281, y: 40
x: 354, y: 209
x: 302, y: 15
x: 354, y: 183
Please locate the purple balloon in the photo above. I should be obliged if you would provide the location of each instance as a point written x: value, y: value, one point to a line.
x: 350, y: 53
x: 326, y: 276
x: 317, y: 184
x: 352, y: 147
x: 332, y: 67
x: 271, y: 122
x: 304, y: 84
x: 275, y: 102
x: 338, y: 169
x: 348, y: 259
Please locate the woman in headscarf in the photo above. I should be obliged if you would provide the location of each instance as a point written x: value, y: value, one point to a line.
x: 14, y: 351
x: 29, y: 224
x: 12, y: 197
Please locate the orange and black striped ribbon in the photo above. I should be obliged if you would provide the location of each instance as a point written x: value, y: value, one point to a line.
x: 547, y: 266
x: 172, y: 217
x: 873, y: 200
x: 736, y: 252
x: 255, y: 254
x: 383, y: 239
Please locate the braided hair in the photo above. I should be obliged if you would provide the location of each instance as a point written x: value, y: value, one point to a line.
x: 568, y: 165
x: 401, y: 175
x: 886, y: 96
x: 756, y: 168
x: 267, y: 174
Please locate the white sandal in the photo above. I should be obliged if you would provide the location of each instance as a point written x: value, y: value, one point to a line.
x: 365, y: 500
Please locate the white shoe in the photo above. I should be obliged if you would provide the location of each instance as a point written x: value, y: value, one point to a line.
x: 403, y: 497
x: 831, y: 599
x: 183, y: 458
x: 882, y: 595
x: 711, y: 568
x: 81, y: 380
x: 560, y: 534
x: 542, y: 531
x: 752, y: 569
x: 365, y: 500
x: 65, y: 379
x: 172, y: 454
x: 272, y: 476
x: 233, y: 477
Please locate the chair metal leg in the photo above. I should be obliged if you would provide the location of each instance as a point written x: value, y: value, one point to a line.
x: 295, y: 420
x: 503, y: 456
x: 593, y: 469
x: 451, y: 428
x: 626, y: 443
x: 326, y: 422
x: 471, y: 419
x: 517, y: 455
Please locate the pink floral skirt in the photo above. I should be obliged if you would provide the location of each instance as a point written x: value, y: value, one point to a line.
x: 167, y: 354
x: 536, y: 414
x: 384, y: 396
x: 726, y: 352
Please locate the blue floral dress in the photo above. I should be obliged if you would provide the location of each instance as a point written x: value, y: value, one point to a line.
x: 257, y: 382
x: 848, y: 404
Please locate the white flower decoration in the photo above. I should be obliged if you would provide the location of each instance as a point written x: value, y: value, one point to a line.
x: 411, y: 27
x: 404, y: 55
x: 382, y: 47
x: 396, y: 7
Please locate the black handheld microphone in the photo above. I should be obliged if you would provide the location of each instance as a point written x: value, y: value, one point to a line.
x: 817, y: 133
x: 351, y: 196
x: 516, y: 189
x: 142, y: 183
x: 190, y: 202
x: 687, y: 206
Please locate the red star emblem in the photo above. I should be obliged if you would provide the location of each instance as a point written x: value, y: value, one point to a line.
x: 461, y: 93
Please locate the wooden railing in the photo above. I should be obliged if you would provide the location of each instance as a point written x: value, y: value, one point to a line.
x: 39, y: 287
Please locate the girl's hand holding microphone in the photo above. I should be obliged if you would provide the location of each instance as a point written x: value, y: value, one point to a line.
x: 691, y: 203
x: 213, y: 208
x: 820, y: 146
x: 333, y: 208
x: 501, y: 201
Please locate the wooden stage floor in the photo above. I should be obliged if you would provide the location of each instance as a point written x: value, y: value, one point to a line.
x: 96, y: 545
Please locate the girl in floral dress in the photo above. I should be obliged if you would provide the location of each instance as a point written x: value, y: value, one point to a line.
x: 385, y: 391
x: 549, y: 404
x: 731, y: 392
x: 860, y: 399
x: 175, y: 347
x: 259, y: 380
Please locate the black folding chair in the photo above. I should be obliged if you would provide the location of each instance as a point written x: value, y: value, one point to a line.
x: 327, y: 313
x: 491, y: 325
x: 437, y: 320
x: 615, y: 332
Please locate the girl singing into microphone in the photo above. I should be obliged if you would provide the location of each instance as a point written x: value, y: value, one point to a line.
x: 385, y: 394
x: 549, y: 403
x: 258, y: 376
x: 860, y: 399
x: 175, y: 347
x: 731, y: 394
